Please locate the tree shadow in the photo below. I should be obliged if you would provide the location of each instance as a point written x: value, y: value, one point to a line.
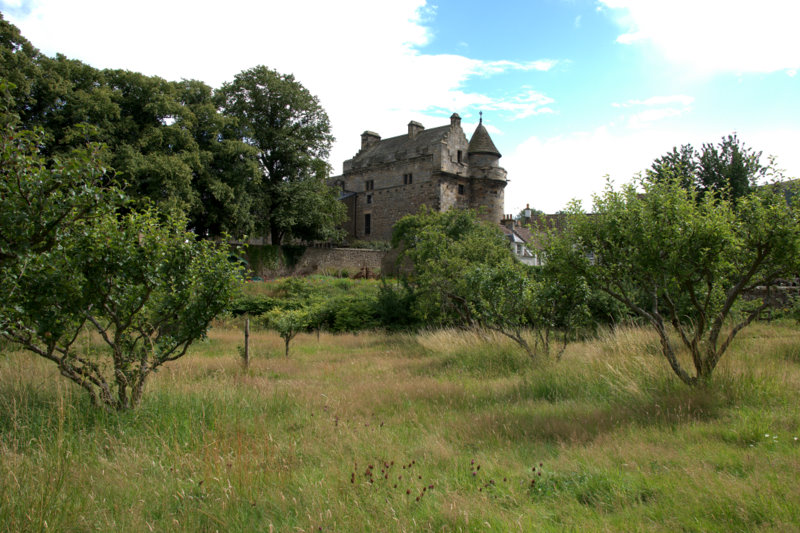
x: 582, y: 423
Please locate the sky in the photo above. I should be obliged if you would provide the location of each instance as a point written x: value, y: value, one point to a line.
x: 572, y: 91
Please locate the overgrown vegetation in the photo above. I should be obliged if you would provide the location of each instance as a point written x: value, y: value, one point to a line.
x: 623, y: 446
x: 76, y: 255
x: 676, y: 259
x: 336, y: 305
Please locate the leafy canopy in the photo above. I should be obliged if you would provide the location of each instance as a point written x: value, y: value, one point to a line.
x: 675, y: 258
x: 462, y: 272
x: 729, y: 168
x: 290, y: 131
x: 71, y: 263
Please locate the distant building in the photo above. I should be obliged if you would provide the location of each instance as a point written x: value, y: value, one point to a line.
x: 391, y: 178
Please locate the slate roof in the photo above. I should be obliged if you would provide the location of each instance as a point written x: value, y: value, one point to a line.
x: 386, y: 149
x: 481, y: 143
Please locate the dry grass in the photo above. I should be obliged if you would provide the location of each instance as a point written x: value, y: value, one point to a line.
x: 624, y: 446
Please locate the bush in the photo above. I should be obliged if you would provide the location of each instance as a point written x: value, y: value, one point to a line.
x: 253, y: 305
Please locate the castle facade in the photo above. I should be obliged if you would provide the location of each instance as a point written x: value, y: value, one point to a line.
x: 391, y: 178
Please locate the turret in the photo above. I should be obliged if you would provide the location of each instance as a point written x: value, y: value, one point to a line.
x: 481, y: 151
x: 489, y: 179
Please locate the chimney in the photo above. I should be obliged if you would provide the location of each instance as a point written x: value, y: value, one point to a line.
x: 369, y: 138
x: 414, y: 128
x: 526, y: 215
x: 508, y: 221
x: 455, y: 120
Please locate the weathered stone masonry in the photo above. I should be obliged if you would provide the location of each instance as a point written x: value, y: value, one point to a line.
x: 390, y: 178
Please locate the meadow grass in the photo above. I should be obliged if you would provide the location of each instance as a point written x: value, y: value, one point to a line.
x: 436, y: 431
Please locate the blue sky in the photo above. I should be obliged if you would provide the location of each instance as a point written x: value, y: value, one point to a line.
x: 571, y: 90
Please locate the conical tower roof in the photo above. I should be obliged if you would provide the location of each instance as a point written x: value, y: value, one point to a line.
x: 481, y: 143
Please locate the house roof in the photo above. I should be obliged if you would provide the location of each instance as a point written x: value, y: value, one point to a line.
x: 387, y: 149
x: 522, y: 233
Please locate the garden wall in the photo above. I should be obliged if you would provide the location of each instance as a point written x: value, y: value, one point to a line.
x: 270, y: 262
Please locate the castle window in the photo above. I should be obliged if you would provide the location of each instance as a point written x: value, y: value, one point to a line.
x: 408, y: 179
x: 369, y: 198
x: 460, y: 188
x: 367, y: 224
x: 459, y: 155
x: 369, y: 185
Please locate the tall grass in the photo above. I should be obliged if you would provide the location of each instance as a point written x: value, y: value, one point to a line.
x: 461, y: 424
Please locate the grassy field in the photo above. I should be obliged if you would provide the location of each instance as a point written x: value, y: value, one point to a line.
x: 439, y: 431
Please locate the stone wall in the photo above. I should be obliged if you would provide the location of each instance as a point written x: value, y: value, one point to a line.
x: 325, y: 261
x: 390, y: 205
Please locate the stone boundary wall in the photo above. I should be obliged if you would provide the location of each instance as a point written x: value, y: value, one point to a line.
x: 317, y: 260
x: 327, y: 261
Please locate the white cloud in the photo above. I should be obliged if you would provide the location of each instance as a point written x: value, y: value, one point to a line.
x: 657, y: 108
x: 524, y: 105
x: 360, y: 57
x: 680, y: 99
x: 647, y: 116
x: 490, y: 68
x: 714, y: 35
x: 549, y: 172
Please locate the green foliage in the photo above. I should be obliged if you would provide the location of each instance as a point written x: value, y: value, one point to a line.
x: 674, y: 258
x: 252, y: 304
x: 40, y: 198
x: 573, y: 304
x: 141, y: 282
x: 394, y: 307
x: 442, y: 248
x: 70, y: 262
x: 353, y: 314
x: 179, y: 146
x: 335, y: 305
x: 464, y: 274
x: 288, y: 323
x: 729, y: 168
x: 166, y: 140
x: 290, y: 131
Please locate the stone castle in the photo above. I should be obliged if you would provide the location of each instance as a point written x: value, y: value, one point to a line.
x: 390, y: 178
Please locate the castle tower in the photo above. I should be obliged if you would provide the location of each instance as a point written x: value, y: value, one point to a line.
x: 489, y: 179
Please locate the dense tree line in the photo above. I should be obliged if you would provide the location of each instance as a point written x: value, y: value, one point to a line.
x: 110, y: 182
x: 246, y: 159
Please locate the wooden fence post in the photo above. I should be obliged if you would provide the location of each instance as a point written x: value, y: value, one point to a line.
x: 247, y: 342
